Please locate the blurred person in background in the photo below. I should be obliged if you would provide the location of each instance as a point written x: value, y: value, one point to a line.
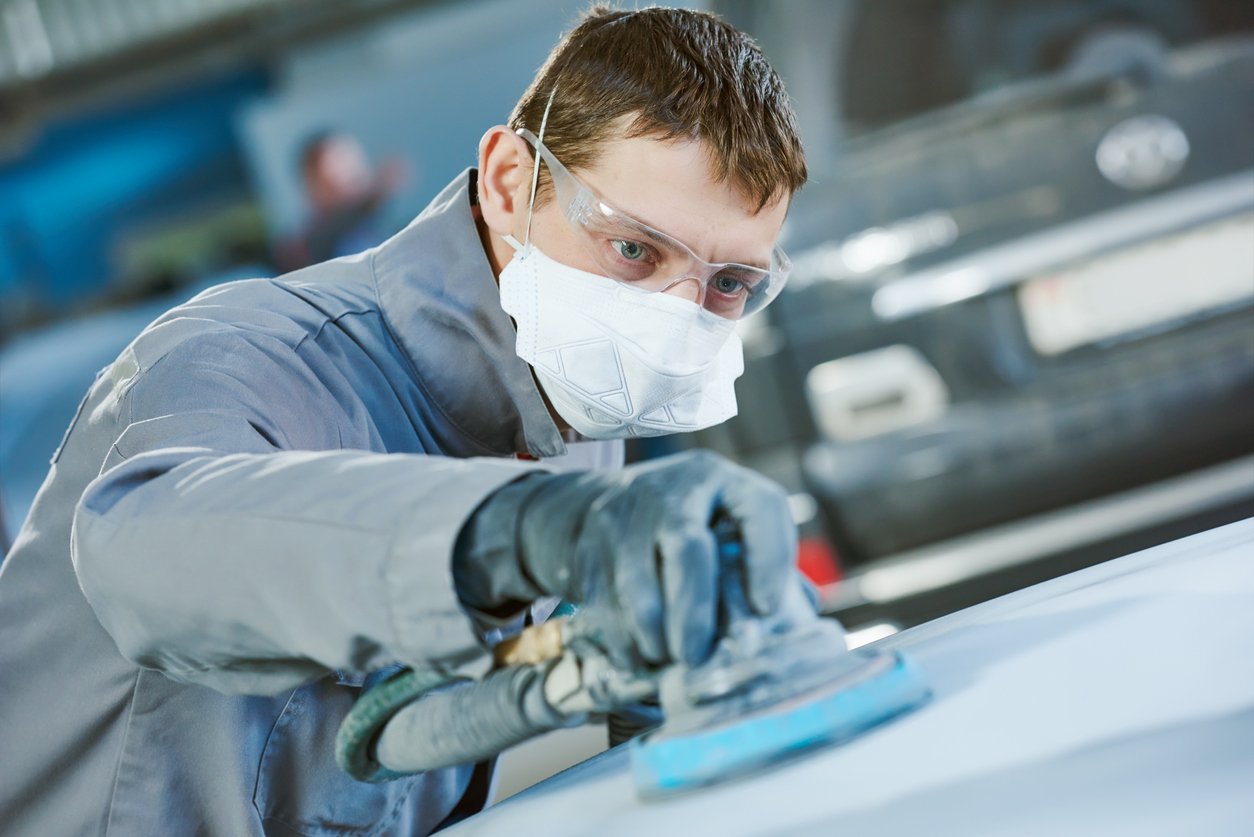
x: 285, y: 488
x: 346, y: 197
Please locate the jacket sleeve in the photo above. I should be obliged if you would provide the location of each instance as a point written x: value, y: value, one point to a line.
x: 209, y: 553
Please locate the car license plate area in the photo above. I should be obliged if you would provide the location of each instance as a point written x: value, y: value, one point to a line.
x: 1141, y: 287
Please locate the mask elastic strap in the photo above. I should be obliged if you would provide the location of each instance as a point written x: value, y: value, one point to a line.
x: 535, y: 173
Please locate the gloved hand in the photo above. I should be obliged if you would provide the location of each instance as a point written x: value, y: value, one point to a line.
x: 633, y: 547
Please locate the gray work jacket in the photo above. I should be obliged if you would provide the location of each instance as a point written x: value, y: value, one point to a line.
x: 255, y: 506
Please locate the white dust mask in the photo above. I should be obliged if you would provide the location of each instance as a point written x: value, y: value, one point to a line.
x: 617, y: 362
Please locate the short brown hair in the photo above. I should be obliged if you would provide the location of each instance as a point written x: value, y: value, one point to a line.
x: 673, y: 73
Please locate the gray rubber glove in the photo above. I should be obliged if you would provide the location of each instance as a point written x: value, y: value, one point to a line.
x: 634, y: 547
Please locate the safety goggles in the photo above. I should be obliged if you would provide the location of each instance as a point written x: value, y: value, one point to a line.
x: 632, y: 252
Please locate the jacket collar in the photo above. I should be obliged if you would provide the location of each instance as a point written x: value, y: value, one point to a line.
x: 440, y: 299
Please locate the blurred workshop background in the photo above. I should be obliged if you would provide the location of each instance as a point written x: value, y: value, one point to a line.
x: 1019, y: 338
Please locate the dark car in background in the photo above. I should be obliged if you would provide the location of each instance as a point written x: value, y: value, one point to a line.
x: 1019, y: 337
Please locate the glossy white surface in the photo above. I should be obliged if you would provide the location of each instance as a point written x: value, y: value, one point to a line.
x: 1116, y: 700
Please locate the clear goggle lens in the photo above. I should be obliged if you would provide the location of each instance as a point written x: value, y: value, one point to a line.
x: 635, y: 254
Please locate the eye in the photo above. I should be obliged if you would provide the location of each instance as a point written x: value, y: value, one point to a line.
x: 632, y: 251
x: 728, y: 284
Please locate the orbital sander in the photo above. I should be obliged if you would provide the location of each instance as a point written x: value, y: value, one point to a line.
x: 773, y: 688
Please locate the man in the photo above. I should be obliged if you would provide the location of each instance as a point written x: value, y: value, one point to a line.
x: 345, y: 196
x: 286, y: 485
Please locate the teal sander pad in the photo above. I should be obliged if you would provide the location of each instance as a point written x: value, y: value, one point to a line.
x: 747, y: 733
x: 773, y: 688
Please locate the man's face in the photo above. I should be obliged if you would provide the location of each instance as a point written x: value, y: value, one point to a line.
x: 669, y: 186
x: 341, y: 172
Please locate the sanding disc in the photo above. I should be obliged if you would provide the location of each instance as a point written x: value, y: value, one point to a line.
x: 871, y: 688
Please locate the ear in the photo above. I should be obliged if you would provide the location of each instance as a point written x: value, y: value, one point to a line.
x: 504, y: 179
